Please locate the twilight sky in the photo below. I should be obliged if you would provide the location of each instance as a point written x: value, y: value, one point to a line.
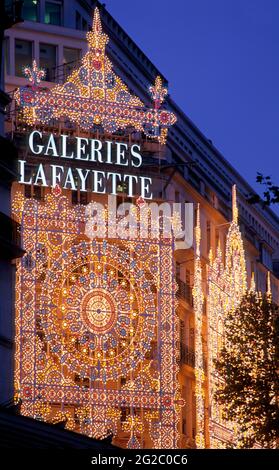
x: 221, y: 58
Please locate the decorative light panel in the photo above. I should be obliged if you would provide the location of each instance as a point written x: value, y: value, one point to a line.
x: 96, y: 328
x: 94, y: 95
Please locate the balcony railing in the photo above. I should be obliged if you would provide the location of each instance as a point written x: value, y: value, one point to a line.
x: 184, y: 291
x: 187, y: 355
x: 60, y: 73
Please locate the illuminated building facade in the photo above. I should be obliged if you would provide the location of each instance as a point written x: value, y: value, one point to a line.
x: 10, y: 239
x: 120, y: 335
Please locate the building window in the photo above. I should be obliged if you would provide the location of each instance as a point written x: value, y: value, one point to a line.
x: 217, y: 239
x: 276, y: 268
x: 177, y: 270
x: 84, y: 25
x: 38, y: 193
x: 78, y: 20
x: 70, y: 58
x: 23, y: 55
x: 188, y: 277
x: 265, y: 257
x: 27, y: 191
x: 184, y: 427
x: 48, y: 60
x: 53, y: 12
x: 208, y: 236
x: 30, y: 10
x: 6, y: 56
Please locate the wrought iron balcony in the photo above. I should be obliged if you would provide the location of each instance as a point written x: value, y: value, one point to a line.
x: 184, y: 291
x: 187, y: 355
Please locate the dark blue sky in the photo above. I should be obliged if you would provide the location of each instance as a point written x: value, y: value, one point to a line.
x: 221, y: 58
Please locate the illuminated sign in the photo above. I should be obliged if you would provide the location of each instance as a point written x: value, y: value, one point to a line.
x: 80, y: 150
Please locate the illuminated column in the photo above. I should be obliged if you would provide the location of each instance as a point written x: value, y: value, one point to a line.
x: 169, y: 406
x: 198, y: 309
x: 25, y: 319
x: 227, y: 283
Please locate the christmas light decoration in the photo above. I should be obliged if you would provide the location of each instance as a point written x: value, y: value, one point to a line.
x: 199, y: 361
x: 34, y: 74
x: 88, y: 314
x: 227, y: 283
x: 94, y: 95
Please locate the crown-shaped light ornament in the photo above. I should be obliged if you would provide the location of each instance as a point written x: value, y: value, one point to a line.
x: 94, y: 95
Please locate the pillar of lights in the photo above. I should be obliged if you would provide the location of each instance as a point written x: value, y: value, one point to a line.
x: 227, y: 283
x: 199, y: 361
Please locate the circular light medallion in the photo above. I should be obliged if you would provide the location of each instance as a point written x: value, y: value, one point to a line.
x: 98, y: 311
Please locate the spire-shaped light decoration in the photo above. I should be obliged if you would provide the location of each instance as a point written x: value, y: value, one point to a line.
x: 94, y: 95
x: 268, y: 287
x: 252, y: 283
x: 235, y: 257
x: 198, y: 309
x: 234, y: 205
x: 227, y: 284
